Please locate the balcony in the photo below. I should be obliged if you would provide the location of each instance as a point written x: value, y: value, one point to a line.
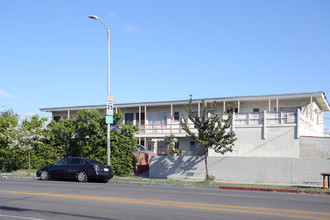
x: 242, y: 119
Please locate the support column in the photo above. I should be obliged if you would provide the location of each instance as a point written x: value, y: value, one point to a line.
x: 145, y: 119
x: 140, y: 117
x: 171, y: 117
x: 298, y: 123
x: 233, y: 123
x: 199, y: 109
x: 264, y: 126
x: 276, y: 105
x: 238, y: 106
x: 145, y: 142
x: 68, y: 113
x: 269, y: 103
x: 224, y: 106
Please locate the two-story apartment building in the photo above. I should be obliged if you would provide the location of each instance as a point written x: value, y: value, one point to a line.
x: 266, y: 126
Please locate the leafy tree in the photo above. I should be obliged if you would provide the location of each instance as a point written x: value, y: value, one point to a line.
x: 42, y: 152
x: 62, y: 138
x: 86, y: 136
x: 25, y: 136
x: 213, y: 130
x: 123, y: 143
x: 9, y: 114
x: 9, y: 158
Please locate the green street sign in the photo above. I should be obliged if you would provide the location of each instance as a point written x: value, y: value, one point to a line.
x: 109, y: 119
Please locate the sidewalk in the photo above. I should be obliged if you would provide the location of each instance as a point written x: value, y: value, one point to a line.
x: 224, y: 185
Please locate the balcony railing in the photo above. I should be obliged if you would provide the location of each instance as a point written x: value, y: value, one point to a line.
x: 241, y: 119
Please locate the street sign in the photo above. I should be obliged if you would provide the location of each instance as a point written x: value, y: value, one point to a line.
x: 109, y: 105
x: 112, y: 127
x: 109, y: 119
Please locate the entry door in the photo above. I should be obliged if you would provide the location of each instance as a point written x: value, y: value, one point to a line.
x: 161, y: 148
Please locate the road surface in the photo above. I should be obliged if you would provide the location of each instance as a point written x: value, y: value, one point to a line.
x: 40, y: 200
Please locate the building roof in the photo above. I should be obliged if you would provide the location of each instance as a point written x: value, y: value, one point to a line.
x: 319, y: 98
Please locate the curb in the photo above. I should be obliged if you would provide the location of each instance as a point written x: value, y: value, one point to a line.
x: 271, y: 190
x: 259, y: 189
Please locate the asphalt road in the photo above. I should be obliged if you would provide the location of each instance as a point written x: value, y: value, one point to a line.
x: 39, y: 200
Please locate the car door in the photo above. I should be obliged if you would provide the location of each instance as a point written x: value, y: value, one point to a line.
x: 59, y: 169
x: 73, y: 167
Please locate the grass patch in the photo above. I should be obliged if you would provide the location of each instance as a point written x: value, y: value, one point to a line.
x: 301, y: 189
x: 22, y: 173
x: 135, y: 179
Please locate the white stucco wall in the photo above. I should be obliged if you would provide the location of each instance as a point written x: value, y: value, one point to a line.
x: 241, y: 169
x: 280, y: 141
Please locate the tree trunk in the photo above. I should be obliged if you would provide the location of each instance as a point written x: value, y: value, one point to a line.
x: 206, y: 169
x: 29, y: 161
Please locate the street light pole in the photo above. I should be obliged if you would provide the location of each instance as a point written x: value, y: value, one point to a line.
x: 108, y: 85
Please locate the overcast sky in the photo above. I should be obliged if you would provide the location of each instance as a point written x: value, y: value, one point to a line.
x: 53, y: 55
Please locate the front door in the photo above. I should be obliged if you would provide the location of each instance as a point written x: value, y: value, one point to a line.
x: 161, y: 148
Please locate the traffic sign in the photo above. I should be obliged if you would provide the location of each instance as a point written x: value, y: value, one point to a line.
x: 109, y: 105
x: 112, y: 127
x: 109, y: 119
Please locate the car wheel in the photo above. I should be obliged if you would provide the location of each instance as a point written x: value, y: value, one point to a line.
x: 44, y: 175
x: 82, y: 176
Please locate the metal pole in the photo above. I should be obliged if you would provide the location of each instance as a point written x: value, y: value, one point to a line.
x: 108, y: 94
x: 108, y: 85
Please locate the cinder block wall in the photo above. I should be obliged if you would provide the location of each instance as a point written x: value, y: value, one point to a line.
x: 314, y: 147
x: 241, y: 169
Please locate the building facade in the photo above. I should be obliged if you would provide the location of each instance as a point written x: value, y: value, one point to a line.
x: 265, y: 126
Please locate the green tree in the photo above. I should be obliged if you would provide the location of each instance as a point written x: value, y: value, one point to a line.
x: 86, y: 136
x: 41, y: 153
x: 9, y: 158
x: 62, y: 138
x: 123, y: 142
x: 25, y: 136
x: 213, y: 130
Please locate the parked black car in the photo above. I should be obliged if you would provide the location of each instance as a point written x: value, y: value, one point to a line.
x: 76, y: 168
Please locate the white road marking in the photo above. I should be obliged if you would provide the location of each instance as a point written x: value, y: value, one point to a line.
x: 20, y: 217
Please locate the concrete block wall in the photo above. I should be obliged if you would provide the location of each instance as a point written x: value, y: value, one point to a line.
x: 241, y: 169
x: 314, y: 147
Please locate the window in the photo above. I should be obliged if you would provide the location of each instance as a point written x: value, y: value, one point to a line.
x: 142, y: 118
x: 209, y: 112
x: 176, y: 116
x: 64, y: 161
x: 192, y: 146
x: 230, y: 110
x: 128, y: 118
x: 157, y: 118
x: 176, y: 147
x: 75, y: 161
x: 255, y: 109
x: 57, y: 118
x: 288, y: 108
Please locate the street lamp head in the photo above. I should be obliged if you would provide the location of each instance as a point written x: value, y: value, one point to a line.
x: 93, y: 17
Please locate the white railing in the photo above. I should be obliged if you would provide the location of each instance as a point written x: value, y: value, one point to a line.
x: 250, y: 119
